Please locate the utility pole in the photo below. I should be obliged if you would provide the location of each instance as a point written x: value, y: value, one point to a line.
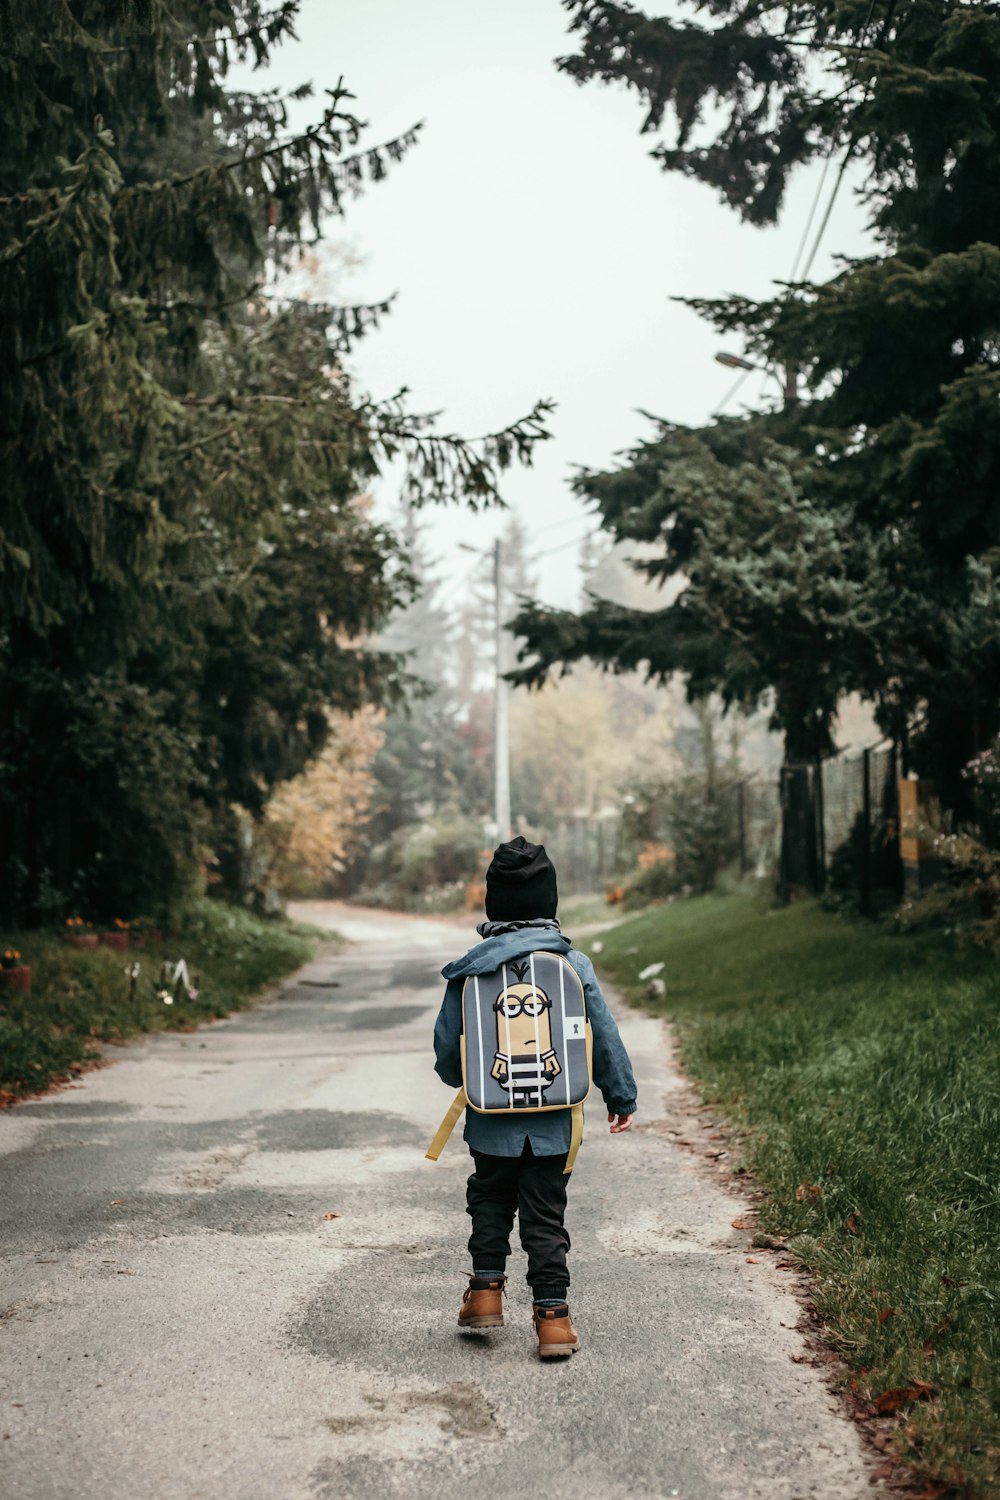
x: 501, y: 738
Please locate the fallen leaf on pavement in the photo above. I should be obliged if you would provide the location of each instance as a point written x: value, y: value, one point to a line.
x: 117, y: 1202
x: 738, y: 1224
x: 752, y: 1260
x: 331, y: 1216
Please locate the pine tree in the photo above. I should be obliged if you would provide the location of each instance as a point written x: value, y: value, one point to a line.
x: 878, y: 573
x: 189, y: 585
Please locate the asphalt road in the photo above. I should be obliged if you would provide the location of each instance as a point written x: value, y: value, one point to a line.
x: 179, y: 1319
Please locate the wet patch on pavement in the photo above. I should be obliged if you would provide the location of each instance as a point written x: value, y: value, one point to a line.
x: 460, y: 1410
x: 415, y: 974
x: 94, y: 1178
x: 321, y: 1129
x: 374, y: 1017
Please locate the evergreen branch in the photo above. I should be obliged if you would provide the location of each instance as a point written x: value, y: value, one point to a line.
x: 443, y: 467
x: 252, y: 158
x: 33, y: 195
x: 204, y: 309
x: 250, y: 398
x: 282, y: 17
x: 407, y: 425
x: 352, y: 320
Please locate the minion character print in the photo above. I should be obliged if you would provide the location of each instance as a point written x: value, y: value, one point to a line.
x: 525, y: 1063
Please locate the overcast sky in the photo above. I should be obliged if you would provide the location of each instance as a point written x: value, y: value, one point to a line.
x: 534, y: 246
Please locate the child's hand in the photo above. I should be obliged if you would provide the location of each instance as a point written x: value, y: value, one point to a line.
x: 619, y: 1123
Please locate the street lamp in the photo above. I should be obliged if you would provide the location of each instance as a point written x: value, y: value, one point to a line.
x: 789, y: 386
x: 735, y: 362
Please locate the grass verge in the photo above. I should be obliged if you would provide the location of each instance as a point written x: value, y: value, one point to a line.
x: 80, y: 997
x: 587, y: 911
x: 865, y: 1069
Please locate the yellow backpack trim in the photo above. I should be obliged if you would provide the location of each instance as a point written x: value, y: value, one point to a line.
x: 459, y: 1102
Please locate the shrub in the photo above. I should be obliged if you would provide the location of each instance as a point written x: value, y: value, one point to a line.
x: 698, y: 816
x: 426, y: 866
x: 966, y: 901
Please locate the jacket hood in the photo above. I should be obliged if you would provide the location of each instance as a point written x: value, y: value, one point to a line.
x: 488, y: 955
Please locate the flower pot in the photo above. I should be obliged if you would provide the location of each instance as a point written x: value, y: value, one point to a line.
x: 114, y: 939
x: 17, y: 978
x: 81, y: 939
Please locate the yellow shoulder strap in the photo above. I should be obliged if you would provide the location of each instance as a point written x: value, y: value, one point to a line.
x: 447, y: 1125
x: 576, y: 1136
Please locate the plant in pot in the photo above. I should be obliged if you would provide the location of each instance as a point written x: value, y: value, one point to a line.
x: 14, y: 975
x: 80, y: 933
x: 116, y: 936
x: 141, y: 931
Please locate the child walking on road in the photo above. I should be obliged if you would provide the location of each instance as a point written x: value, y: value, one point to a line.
x: 523, y: 1148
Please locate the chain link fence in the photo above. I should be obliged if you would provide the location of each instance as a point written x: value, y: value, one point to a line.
x: 840, y: 825
x: 753, y: 812
x: 593, y: 852
x: 828, y: 826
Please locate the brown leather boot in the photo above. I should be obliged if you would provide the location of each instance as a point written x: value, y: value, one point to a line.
x: 556, y: 1335
x: 482, y: 1304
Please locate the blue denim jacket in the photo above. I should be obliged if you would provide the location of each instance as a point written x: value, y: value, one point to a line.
x: 549, y: 1133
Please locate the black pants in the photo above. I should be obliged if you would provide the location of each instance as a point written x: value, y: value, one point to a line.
x: 534, y: 1188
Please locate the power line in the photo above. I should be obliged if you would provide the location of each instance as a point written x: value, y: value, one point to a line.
x: 829, y: 155
x: 555, y: 525
x: 812, y: 214
x: 575, y: 541
x: 829, y: 209
x: 737, y: 383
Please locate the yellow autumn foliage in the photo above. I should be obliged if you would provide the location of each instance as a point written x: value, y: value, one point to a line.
x: 314, y: 824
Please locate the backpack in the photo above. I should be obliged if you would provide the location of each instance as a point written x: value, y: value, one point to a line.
x: 526, y: 1044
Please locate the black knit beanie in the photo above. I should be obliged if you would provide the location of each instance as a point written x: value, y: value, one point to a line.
x: 520, y: 883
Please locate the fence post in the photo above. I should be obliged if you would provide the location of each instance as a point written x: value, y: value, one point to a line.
x: 897, y: 820
x: 820, y: 816
x: 785, y: 835
x: 741, y: 818
x: 866, y: 845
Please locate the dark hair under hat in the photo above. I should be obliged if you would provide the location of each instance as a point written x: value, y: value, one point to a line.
x: 520, y: 883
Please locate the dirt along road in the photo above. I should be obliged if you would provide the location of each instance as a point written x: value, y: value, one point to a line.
x: 180, y: 1319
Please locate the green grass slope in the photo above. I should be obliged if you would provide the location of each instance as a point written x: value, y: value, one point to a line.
x: 866, y: 1068
x: 79, y: 996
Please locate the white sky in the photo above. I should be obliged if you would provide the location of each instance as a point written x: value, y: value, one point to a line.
x: 534, y: 246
